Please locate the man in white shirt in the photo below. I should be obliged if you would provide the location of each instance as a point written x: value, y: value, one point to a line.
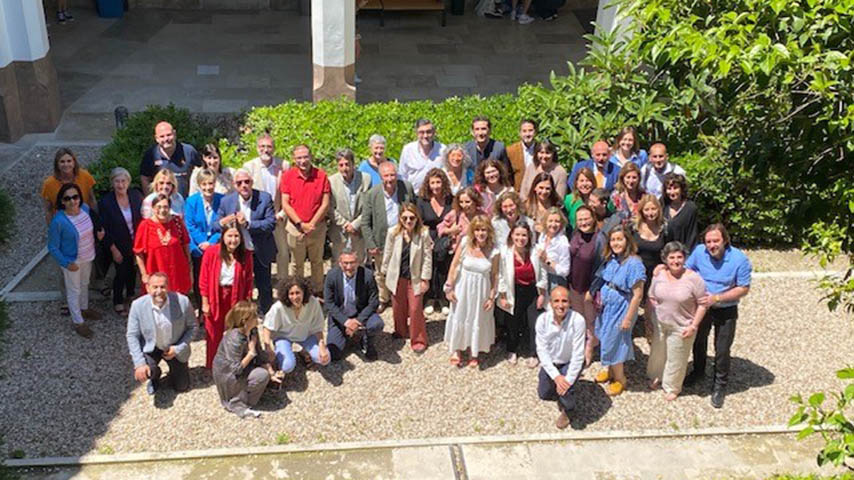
x: 160, y: 327
x: 560, y: 336
x: 418, y: 157
x: 653, y: 172
x: 266, y: 170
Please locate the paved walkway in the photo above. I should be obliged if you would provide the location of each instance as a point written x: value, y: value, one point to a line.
x: 224, y: 62
x: 678, y: 458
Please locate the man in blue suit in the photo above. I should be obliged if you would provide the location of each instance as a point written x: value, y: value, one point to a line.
x: 253, y: 211
x: 482, y: 146
x: 605, y: 171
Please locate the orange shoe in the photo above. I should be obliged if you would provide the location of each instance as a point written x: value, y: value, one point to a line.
x: 603, y: 376
x: 614, y: 389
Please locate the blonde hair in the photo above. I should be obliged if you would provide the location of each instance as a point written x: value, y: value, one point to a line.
x: 168, y: 175
x: 240, y: 313
x: 205, y: 174
x: 553, y: 211
x: 411, y: 208
x: 480, y: 221
x: 647, y: 198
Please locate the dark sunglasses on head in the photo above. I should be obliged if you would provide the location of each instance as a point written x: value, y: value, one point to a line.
x: 72, y: 197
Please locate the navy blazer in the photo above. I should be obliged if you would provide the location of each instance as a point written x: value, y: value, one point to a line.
x: 494, y: 150
x: 367, y: 296
x: 197, y: 222
x: 115, y: 228
x: 261, y: 224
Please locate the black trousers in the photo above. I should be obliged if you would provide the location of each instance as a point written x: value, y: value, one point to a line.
x: 124, y: 283
x: 518, y: 325
x: 179, y: 372
x: 197, y: 269
x: 264, y: 284
x: 437, y: 281
x: 724, y: 320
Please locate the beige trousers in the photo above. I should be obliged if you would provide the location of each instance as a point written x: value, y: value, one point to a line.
x: 668, y: 356
x: 311, y: 245
x: 283, y: 255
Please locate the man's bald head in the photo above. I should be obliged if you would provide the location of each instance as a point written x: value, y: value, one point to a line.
x: 599, y: 152
x: 658, y: 156
x: 559, y: 300
x: 164, y: 135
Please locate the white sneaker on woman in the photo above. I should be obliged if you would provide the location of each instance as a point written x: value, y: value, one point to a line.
x: 525, y: 19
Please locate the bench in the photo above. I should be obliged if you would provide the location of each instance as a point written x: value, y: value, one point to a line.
x: 406, y: 5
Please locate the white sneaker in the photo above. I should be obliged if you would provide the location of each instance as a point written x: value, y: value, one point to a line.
x: 446, y: 311
x: 428, y: 310
x: 525, y: 19
x: 513, y: 15
x: 251, y: 413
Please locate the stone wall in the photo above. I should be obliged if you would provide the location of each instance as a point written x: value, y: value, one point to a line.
x: 29, y: 98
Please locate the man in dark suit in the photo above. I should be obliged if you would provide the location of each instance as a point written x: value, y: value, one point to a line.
x: 351, y: 298
x: 253, y: 211
x: 160, y: 327
x: 379, y: 213
x: 482, y: 147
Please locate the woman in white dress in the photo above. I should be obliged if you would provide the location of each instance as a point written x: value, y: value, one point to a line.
x: 471, y: 289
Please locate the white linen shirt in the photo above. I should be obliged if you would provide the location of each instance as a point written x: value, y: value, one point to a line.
x: 561, y: 344
x: 558, y: 253
x: 392, y: 208
x: 162, y: 326
x: 652, y: 181
x: 280, y: 320
x: 414, y: 165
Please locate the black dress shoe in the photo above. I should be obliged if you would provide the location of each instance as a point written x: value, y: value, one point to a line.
x: 718, y: 395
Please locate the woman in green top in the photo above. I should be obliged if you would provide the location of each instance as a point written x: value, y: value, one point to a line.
x: 585, y: 182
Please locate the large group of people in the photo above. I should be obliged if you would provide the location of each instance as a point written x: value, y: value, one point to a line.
x: 502, y: 242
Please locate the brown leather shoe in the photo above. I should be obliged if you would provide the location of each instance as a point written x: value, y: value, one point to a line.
x: 83, y: 330
x: 90, y: 314
x: 562, y: 421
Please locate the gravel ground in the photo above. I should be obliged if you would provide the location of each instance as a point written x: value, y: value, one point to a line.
x: 23, y: 183
x: 69, y: 396
x: 767, y: 260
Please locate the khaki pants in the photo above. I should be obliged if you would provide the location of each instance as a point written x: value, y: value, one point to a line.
x: 668, y: 356
x: 312, y: 245
x: 280, y: 234
x: 339, y: 242
x: 384, y: 293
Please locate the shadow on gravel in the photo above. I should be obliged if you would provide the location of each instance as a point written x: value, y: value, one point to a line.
x: 593, y: 403
x: 744, y: 374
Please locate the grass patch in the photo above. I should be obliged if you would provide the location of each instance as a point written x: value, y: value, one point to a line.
x: 283, y: 439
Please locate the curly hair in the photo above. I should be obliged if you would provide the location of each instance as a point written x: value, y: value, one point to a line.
x: 284, y: 286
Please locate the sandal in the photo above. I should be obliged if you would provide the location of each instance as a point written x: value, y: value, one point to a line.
x: 473, y: 363
x: 455, y: 360
x: 655, y: 384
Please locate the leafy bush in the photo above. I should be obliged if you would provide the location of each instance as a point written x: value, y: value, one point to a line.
x: 832, y: 424
x: 7, y: 216
x: 131, y: 142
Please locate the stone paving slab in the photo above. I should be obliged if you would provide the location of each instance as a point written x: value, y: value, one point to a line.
x: 677, y: 458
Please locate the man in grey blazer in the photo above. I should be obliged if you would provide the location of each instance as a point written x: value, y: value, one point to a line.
x: 379, y: 213
x: 160, y: 327
x: 482, y: 146
x: 345, y: 217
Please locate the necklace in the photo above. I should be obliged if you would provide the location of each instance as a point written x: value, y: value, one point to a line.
x: 164, y: 239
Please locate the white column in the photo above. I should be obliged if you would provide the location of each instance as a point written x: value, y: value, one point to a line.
x: 608, y: 19
x: 333, y: 48
x: 23, y: 35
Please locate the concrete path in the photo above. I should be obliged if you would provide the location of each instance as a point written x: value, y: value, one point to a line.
x: 679, y: 458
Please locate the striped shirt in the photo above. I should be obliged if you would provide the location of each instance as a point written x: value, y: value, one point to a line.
x: 85, y: 231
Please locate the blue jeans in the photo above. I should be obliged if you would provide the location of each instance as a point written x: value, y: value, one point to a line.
x: 285, y: 358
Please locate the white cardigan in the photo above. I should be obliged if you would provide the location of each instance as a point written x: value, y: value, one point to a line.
x: 507, y: 277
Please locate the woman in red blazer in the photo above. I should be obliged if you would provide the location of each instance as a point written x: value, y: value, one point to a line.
x: 225, y: 278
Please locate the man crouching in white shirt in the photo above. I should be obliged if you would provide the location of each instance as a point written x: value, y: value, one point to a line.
x: 560, y: 348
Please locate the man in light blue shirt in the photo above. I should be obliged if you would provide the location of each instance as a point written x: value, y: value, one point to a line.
x: 727, y: 272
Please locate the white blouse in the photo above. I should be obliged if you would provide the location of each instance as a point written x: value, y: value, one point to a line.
x: 282, y: 322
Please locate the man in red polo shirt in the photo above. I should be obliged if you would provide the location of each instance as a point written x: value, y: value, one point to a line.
x: 305, y: 200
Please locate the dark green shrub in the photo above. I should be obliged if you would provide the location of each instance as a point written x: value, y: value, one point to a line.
x: 7, y: 217
x: 131, y: 142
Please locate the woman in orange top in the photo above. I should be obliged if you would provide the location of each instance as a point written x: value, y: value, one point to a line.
x: 162, y: 244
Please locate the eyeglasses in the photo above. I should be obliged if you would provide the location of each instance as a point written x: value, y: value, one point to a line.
x: 241, y: 182
x: 408, y: 218
x: 70, y: 198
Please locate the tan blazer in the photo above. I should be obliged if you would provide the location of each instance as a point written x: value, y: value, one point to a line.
x: 420, y: 259
x: 339, y: 213
x: 254, y: 167
x: 517, y: 161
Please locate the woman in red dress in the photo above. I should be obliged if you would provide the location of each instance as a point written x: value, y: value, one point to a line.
x: 225, y: 278
x: 162, y: 244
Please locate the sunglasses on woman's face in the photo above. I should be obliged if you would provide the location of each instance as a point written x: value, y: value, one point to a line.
x: 70, y: 198
x: 407, y: 218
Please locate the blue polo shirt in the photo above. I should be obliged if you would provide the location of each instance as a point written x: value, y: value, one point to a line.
x: 376, y: 179
x: 733, y: 270
x: 182, y: 162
